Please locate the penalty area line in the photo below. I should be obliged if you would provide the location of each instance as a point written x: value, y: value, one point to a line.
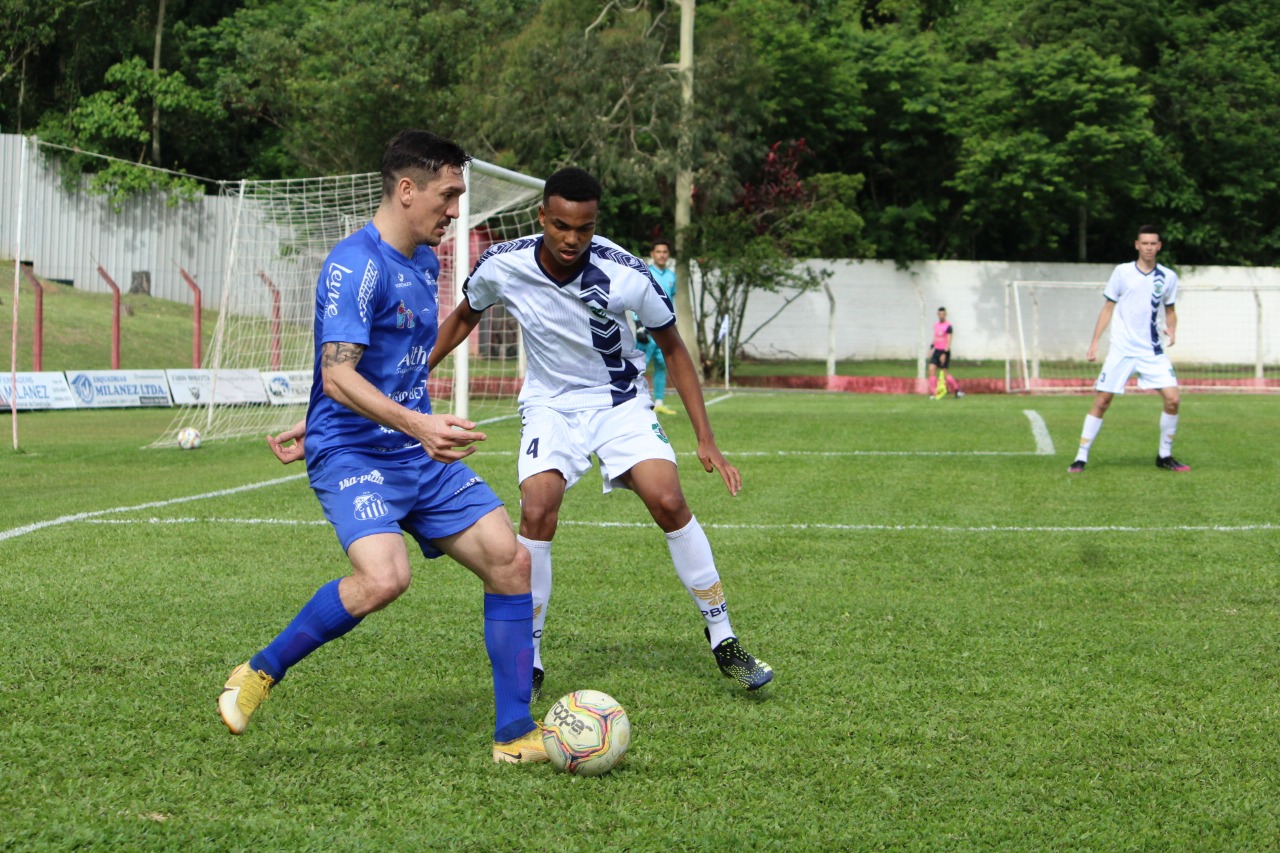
x: 15, y: 532
x: 839, y: 528
x: 957, y: 528
x: 1040, y: 432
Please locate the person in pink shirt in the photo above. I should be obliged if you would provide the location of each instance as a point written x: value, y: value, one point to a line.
x: 940, y: 378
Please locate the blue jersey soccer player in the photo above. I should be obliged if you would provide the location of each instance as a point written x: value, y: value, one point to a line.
x: 381, y: 463
x: 584, y: 394
x: 1134, y: 296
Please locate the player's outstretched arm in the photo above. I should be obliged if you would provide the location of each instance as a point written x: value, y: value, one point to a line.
x: 453, y: 331
x: 1104, y: 318
x: 292, y: 452
x: 684, y: 376
x: 445, y: 438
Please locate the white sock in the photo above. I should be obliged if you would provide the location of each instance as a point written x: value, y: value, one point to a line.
x: 696, y: 568
x: 1091, y: 427
x: 1168, y: 427
x: 540, y: 579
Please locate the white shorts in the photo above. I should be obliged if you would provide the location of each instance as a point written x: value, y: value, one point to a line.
x: 1154, y: 371
x: 620, y: 437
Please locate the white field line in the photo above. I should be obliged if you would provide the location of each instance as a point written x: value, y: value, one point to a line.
x: 1044, y: 447
x: 948, y: 528
x: 84, y: 516
x: 1044, y: 442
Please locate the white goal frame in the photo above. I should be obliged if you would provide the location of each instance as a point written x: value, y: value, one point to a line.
x: 281, y: 232
x: 1228, y: 336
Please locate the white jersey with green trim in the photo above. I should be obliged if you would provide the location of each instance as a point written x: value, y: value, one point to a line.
x: 1135, y: 329
x: 580, y: 349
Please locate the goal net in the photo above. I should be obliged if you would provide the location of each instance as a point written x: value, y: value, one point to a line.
x: 1228, y: 336
x: 281, y: 233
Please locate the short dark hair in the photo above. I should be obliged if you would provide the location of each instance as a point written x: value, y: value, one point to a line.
x: 1148, y: 229
x: 940, y: 308
x: 572, y: 184
x: 418, y: 154
x: 661, y: 241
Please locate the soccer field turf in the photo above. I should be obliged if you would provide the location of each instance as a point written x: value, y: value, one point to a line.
x: 973, y: 648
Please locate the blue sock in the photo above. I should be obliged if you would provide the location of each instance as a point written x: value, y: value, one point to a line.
x: 320, y: 620
x: 508, y: 637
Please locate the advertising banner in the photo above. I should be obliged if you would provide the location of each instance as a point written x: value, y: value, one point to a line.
x: 287, y: 387
x: 104, y: 389
x: 44, y: 390
x: 195, y: 387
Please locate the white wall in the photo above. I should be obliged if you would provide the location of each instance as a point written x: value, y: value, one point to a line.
x: 881, y: 311
x: 886, y: 312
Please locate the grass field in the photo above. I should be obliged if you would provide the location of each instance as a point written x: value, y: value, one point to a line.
x: 154, y: 333
x: 973, y: 649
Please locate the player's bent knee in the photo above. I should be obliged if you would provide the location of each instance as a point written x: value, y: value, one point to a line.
x: 508, y: 578
x: 538, y: 525
x: 670, y: 511
x: 374, y: 592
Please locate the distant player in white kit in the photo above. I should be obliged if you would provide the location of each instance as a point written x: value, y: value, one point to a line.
x: 1135, y: 294
x: 584, y: 393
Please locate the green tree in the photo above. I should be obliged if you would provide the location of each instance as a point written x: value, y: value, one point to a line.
x: 758, y: 245
x: 1051, y: 136
x: 118, y: 119
x: 908, y: 147
x: 1216, y: 103
x: 595, y: 87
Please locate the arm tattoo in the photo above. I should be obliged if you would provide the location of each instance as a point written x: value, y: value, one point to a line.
x: 339, y: 353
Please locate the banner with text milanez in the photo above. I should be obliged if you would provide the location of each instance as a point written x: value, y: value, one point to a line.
x: 42, y: 390
x: 102, y: 389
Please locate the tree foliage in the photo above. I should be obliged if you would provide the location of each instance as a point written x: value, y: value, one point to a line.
x: 757, y: 244
x: 1028, y: 129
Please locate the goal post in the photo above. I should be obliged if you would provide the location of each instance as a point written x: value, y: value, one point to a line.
x: 281, y: 231
x: 1228, y: 336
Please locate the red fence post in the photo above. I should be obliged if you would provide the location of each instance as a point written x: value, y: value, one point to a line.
x: 37, y: 338
x: 275, y: 319
x: 115, y: 318
x: 196, y: 335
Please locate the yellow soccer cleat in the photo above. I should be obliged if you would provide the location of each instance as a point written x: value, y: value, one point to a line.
x: 244, y: 691
x: 526, y: 749
x: 663, y: 410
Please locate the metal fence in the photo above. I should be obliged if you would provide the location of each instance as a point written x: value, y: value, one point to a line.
x: 68, y: 233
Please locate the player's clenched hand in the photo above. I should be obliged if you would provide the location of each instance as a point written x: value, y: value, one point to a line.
x: 447, y: 438
x: 293, y: 452
x: 713, y: 460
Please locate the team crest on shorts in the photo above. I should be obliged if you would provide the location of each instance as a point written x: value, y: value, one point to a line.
x: 369, y: 506
x: 657, y: 430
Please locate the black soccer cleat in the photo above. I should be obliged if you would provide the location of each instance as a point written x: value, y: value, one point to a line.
x: 536, y: 693
x: 1168, y: 463
x: 737, y: 663
x: 1076, y: 467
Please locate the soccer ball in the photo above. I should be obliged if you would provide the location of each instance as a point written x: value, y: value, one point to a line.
x: 188, y: 438
x: 586, y: 733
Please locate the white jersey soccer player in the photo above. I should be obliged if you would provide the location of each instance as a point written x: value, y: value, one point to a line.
x: 1135, y: 295
x: 581, y: 352
x: 1139, y: 295
x: 585, y: 394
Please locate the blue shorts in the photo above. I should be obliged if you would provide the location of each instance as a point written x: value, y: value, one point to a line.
x: 367, y: 493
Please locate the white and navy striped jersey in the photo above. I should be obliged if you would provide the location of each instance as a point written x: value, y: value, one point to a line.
x: 580, y: 349
x: 1138, y: 296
